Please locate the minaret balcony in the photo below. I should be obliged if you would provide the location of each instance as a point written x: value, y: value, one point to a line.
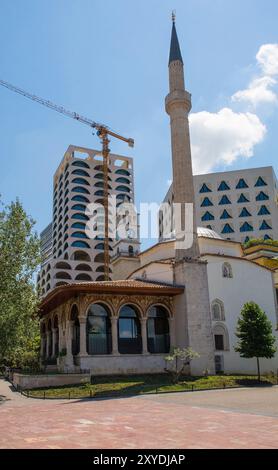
x: 178, y: 99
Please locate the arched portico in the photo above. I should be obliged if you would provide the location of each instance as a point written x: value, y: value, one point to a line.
x: 96, y: 328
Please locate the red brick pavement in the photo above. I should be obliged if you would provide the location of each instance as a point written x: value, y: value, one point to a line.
x: 138, y: 422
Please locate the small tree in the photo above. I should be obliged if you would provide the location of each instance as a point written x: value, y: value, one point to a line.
x: 179, y: 359
x: 254, y: 331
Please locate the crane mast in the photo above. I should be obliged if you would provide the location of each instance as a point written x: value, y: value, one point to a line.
x: 103, y: 132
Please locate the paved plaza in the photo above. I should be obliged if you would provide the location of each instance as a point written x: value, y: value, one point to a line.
x: 240, y: 418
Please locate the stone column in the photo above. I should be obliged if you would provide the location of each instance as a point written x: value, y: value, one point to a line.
x: 42, y: 346
x: 144, y: 335
x: 47, y: 344
x: 83, y: 345
x: 60, y: 330
x: 54, y: 332
x: 69, y: 356
x: 114, y: 330
x: 172, y: 333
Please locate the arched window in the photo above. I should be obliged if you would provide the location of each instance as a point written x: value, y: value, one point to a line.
x: 80, y: 189
x: 75, y: 345
x: 62, y: 275
x: 227, y: 270
x: 81, y: 256
x: 99, y: 193
x: 83, y: 267
x: 100, y: 269
x: 60, y: 283
x: 123, y: 189
x: 123, y: 197
x: 80, y: 173
x: 98, y: 330
x: 78, y: 207
x: 80, y: 244
x: 121, y: 179
x: 99, y: 184
x: 80, y: 181
x: 122, y: 172
x: 80, y: 198
x: 79, y: 225
x: 217, y: 309
x: 79, y: 235
x: 158, y: 330
x: 129, y: 331
x: 62, y: 265
x: 80, y: 216
x: 80, y: 163
x: 130, y: 250
x: 99, y: 246
x: 83, y: 277
x: 221, y: 337
x: 102, y: 278
x: 99, y: 258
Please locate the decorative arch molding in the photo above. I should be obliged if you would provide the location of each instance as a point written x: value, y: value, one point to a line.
x: 116, y: 302
x: 217, y: 310
x: 220, y: 328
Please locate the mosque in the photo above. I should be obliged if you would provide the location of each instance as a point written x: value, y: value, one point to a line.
x: 165, y: 297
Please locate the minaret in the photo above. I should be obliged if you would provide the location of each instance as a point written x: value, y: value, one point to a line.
x: 178, y: 106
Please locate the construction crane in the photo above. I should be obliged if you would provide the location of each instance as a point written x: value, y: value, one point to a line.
x: 103, y: 132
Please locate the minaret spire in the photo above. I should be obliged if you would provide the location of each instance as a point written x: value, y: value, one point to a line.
x: 175, y: 52
x: 178, y: 106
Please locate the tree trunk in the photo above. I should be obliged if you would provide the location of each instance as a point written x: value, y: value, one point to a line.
x: 259, y: 372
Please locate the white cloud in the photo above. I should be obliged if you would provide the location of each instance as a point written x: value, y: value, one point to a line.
x: 267, y: 58
x: 222, y: 137
x: 258, y: 92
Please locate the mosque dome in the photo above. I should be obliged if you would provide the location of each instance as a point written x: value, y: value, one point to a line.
x: 208, y: 233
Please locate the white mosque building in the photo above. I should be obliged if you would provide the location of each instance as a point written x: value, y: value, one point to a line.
x: 166, y: 297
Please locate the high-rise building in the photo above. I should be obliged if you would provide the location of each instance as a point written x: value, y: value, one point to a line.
x: 46, y: 243
x: 239, y: 205
x: 78, y: 181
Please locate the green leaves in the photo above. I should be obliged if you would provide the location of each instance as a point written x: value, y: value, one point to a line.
x: 19, y: 259
x: 254, y: 331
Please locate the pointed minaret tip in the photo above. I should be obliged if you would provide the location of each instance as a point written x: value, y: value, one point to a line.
x: 175, y: 52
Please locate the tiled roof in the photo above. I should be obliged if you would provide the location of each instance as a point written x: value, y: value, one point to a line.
x: 61, y: 294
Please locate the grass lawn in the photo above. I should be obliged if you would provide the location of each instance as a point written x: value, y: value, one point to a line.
x: 137, y: 384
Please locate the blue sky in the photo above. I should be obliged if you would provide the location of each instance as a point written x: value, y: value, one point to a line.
x: 109, y: 61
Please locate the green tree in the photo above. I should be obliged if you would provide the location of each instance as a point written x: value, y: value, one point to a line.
x: 254, y: 331
x: 19, y: 259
